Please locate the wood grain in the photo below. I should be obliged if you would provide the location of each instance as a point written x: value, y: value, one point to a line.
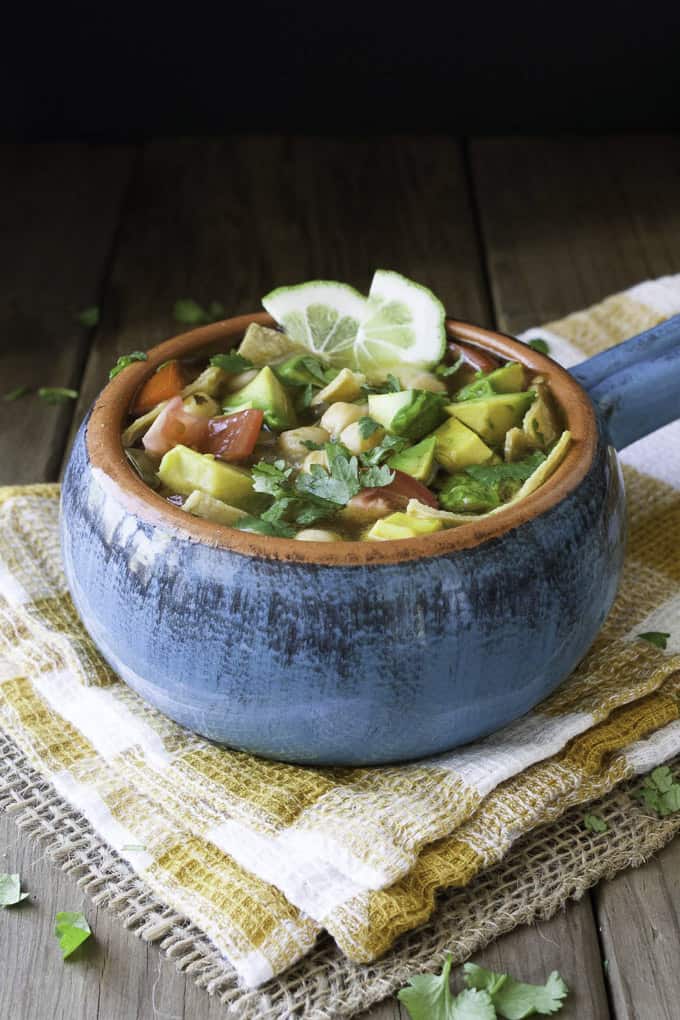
x: 60, y: 209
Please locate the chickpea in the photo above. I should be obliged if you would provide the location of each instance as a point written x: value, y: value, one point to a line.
x: 236, y: 382
x: 317, y: 535
x: 291, y: 443
x: 201, y: 405
x: 352, y: 438
x: 315, y: 457
x: 340, y: 415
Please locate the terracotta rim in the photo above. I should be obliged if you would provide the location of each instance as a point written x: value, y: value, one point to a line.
x: 106, y: 453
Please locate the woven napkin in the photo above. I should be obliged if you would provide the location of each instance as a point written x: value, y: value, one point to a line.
x: 263, y: 856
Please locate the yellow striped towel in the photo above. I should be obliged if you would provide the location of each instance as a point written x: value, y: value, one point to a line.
x: 262, y: 856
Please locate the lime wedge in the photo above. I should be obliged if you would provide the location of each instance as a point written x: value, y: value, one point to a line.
x: 322, y: 315
x: 404, y: 323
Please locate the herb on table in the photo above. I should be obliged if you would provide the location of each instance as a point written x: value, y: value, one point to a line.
x: 658, y: 638
x: 367, y: 427
x: 17, y: 393
x: 72, y: 929
x: 540, y: 345
x: 190, y: 313
x: 56, y: 394
x: 445, y: 371
x: 125, y: 360
x: 660, y: 792
x: 515, y: 1000
x: 89, y: 317
x: 594, y: 823
x: 428, y: 997
x: 231, y: 362
x: 10, y: 890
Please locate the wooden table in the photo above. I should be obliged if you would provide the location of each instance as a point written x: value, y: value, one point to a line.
x: 508, y: 232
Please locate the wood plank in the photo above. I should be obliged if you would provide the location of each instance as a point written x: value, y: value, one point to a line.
x: 568, y: 221
x: 639, y: 915
x: 230, y: 219
x: 61, y: 206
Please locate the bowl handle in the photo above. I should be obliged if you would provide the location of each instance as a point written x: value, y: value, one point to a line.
x: 636, y: 385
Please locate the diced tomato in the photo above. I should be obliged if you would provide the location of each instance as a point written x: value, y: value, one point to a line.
x: 473, y: 356
x: 233, y: 436
x: 165, y: 383
x: 394, y: 496
x: 174, y: 425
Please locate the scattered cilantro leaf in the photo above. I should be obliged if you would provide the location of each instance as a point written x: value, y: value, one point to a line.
x: 658, y: 638
x: 428, y: 997
x: 307, y: 396
x: 390, y: 385
x: 540, y: 345
x: 231, y: 362
x: 515, y: 1000
x: 337, y: 485
x: 375, y: 477
x: 594, y: 823
x: 309, y: 444
x: 367, y: 427
x: 518, y: 470
x: 393, y: 384
x: 445, y: 371
x: 315, y: 369
x: 272, y: 478
x: 72, y: 929
x: 56, y: 394
x: 10, y: 890
x: 89, y: 317
x: 660, y: 792
x: 389, y: 446
x: 17, y: 393
x: 190, y: 313
x: 125, y: 360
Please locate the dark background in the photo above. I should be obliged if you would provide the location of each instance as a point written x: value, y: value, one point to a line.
x: 112, y: 72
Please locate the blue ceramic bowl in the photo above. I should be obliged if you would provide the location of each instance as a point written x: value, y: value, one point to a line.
x: 359, y: 653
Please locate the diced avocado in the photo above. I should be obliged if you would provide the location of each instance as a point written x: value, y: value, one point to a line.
x: 202, y: 505
x: 301, y: 370
x: 457, y: 446
x: 345, y: 386
x: 409, y: 413
x: 269, y: 395
x: 262, y: 345
x: 462, y: 494
x: 509, y: 378
x: 417, y: 461
x: 211, y: 382
x: 401, y: 526
x: 491, y: 417
x: 183, y: 470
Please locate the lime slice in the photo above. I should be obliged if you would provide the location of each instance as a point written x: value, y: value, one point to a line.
x: 404, y: 323
x: 322, y: 315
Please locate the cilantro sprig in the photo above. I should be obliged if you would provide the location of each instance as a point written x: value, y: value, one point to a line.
x: 658, y: 638
x: 125, y: 360
x: 231, y: 362
x: 72, y: 929
x: 487, y: 996
x: 57, y: 394
x: 660, y: 792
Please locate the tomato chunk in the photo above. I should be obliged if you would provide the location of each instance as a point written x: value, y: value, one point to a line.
x: 232, y: 437
x: 165, y: 383
x: 408, y: 487
x: 175, y: 425
x: 395, y: 496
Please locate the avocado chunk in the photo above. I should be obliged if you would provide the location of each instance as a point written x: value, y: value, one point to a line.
x: 457, y: 446
x: 483, y: 487
x: 201, y: 505
x: 409, y: 413
x: 262, y: 345
x: 463, y: 495
x: 183, y: 470
x: 509, y: 378
x: 269, y: 395
x: 417, y: 461
x: 491, y: 417
x: 401, y: 526
x: 303, y: 370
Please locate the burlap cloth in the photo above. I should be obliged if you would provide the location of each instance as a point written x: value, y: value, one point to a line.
x: 263, y: 858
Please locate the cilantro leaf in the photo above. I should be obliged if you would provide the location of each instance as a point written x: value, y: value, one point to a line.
x: 337, y: 485
x: 88, y: 317
x: 190, y: 313
x: 390, y: 385
x: 540, y: 345
x: 658, y: 638
x: 56, y: 394
x: 309, y: 444
x: 125, y: 360
x: 515, y: 1000
x: 71, y: 929
x: 272, y: 478
x: 594, y: 823
x: 517, y: 471
x: 428, y: 997
x: 367, y: 427
x: 17, y: 393
x: 660, y: 792
x: 231, y: 362
x: 10, y: 890
x: 389, y: 445
x: 448, y: 370
x: 376, y: 477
